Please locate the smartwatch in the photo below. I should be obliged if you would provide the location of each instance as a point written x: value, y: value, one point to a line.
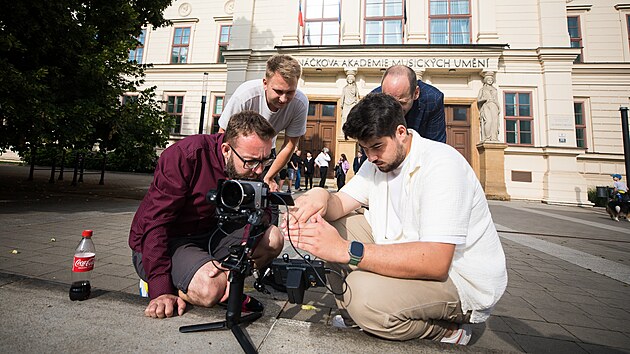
x: 356, y: 252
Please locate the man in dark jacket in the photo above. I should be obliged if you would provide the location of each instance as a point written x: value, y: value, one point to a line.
x: 422, y: 103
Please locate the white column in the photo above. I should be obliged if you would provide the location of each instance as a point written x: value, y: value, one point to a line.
x: 351, y: 22
x: 240, y: 38
x: 293, y: 31
x: 553, y: 23
x: 417, y: 22
x: 557, y: 96
x: 562, y: 182
x: 487, y: 18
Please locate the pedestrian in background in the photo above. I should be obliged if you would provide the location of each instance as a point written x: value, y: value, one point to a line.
x: 341, y: 169
x: 358, y: 161
x: 309, y: 170
x: 322, y: 162
x: 297, y: 159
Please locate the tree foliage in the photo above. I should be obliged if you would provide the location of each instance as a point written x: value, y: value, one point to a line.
x: 63, y: 70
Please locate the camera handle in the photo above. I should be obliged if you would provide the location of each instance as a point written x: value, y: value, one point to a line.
x: 239, y: 270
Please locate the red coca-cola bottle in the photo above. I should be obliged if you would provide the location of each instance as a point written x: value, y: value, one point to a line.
x: 82, y: 268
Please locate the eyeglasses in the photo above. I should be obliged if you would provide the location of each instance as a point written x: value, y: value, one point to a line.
x: 252, y: 164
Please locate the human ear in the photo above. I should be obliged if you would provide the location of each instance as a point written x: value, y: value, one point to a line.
x: 225, y: 149
x: 416, y: 93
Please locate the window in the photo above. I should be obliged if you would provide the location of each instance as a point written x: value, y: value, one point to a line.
x: 224, y: 41
x: 136, y: 54
x: 181, y: 39
x: 580, y: 124
x: 321, y: 26
x: 518, y: 118
x: 449, y: 21
x: 216, y: 113
x: 174, y: 107
x: 628, y: 25
x: 129, y: 99
x: 384, y: 21
x: 573, y: 22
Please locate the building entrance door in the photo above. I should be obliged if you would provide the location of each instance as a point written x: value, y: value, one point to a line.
x: 320, y: 132
x: 458, y: 129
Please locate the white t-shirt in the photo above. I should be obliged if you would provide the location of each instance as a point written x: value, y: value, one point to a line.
x: 441, y: 201
x: 322, y: 159
x: 250, y: 95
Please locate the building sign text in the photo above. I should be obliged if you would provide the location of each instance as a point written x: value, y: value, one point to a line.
x: 416, y: 63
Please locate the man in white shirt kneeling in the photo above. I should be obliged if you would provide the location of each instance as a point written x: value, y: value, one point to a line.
x: 425, y: 259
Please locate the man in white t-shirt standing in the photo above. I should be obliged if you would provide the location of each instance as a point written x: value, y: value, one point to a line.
x: 321, y: 161
x: 276, y: 98
x: 425, y: 259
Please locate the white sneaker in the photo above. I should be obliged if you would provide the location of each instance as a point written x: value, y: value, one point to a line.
x: 461, y: 336
x: 339, y: 322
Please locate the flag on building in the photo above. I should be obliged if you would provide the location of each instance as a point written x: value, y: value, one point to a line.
x: 300, y: 16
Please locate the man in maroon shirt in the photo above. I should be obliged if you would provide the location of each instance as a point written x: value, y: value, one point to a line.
x: 174, y: 235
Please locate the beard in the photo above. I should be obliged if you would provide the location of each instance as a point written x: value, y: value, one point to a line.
x: 231, y: 173
x: 398, y: 159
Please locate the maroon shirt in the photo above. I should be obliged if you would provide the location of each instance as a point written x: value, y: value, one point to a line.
x: 175, y: 204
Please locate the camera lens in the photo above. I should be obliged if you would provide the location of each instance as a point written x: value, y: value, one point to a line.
x: 235, y: 194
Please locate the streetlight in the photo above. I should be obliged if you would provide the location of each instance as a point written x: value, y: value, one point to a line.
x: 204, y: 89
x: 626, y: 138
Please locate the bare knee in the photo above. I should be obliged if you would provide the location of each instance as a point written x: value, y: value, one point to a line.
x: 204, y: 290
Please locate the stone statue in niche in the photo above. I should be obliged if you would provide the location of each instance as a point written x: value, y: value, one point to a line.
x: 349, y: 96
x: 488, y: 103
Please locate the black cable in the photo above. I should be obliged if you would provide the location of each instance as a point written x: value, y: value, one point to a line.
x: 307, y: 261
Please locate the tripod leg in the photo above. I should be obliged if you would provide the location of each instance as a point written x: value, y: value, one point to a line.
x: 213, y: 326
x: 249, y: 318
x: 243, y: 340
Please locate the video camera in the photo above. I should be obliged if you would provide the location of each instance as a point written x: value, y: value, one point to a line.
x: 242, y: 201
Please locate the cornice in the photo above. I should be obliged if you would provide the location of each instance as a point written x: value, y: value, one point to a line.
x: 578, y: 7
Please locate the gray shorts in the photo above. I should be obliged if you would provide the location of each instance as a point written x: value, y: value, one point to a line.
x: 190, y: 253
x: 291, y: 174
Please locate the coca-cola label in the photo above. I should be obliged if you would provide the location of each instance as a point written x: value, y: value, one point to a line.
x: 83, y: 263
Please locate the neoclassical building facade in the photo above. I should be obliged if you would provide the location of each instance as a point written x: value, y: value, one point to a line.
x: 560, y: 71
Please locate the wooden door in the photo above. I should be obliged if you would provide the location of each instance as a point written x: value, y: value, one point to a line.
x: 458, y: 129
x: 320, y: 131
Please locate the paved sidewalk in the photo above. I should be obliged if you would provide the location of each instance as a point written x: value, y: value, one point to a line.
x: 568, y: 291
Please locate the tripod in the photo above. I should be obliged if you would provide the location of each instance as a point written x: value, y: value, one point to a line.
x: 240, y: 267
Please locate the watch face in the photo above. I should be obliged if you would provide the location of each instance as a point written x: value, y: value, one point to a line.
x: 356, y: 249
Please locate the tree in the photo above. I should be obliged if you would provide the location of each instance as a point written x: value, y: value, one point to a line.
x: 64, y: 68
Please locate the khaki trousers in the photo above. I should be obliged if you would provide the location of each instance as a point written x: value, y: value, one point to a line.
x: 392, y: 308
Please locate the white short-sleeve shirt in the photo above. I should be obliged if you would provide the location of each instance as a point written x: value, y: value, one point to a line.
x: 250, y: 95
x: 441, y: 201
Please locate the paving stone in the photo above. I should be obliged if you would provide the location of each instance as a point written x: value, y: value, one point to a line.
x: 617, y: 323
x: 110, y: 282
x: 538, y: 329
x: 600, y: 336
x: 563, y: 317
x: 517, y: 312
x: 498, y: 323
x: 493, y: 340
x: 598, y: 349
x: 35, y: 269
x: 535, y: 344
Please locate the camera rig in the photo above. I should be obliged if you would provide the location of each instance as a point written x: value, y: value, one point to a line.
x: 241, y: 203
